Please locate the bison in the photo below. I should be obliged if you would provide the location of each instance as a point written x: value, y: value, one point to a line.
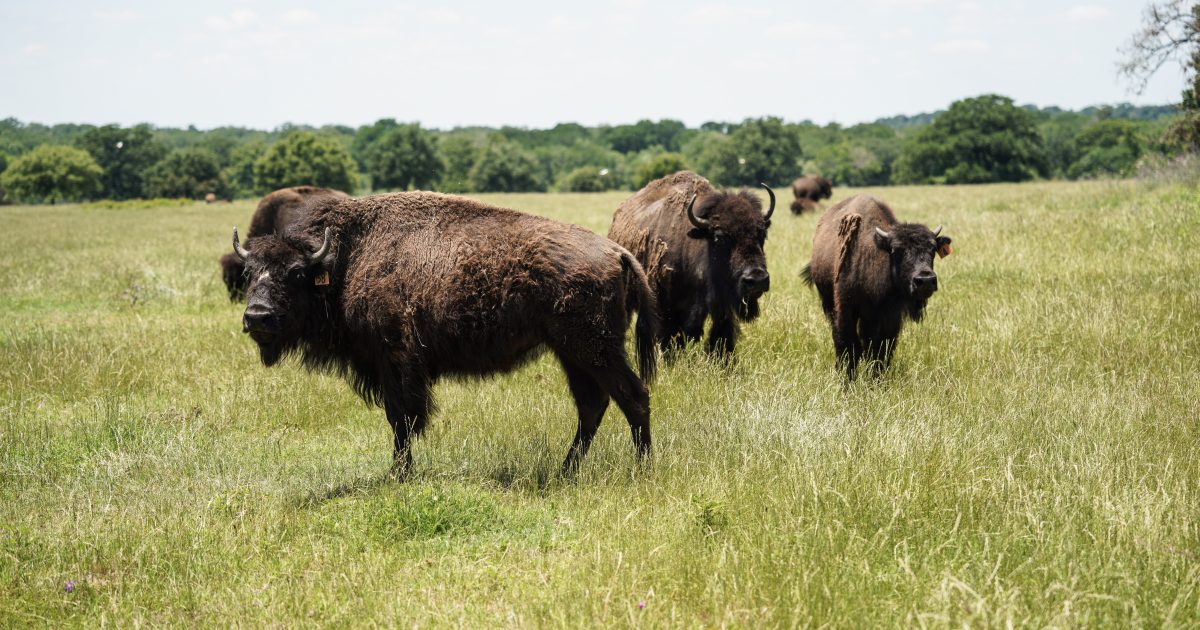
x: 871, y: 272
x: 703, y: 252
x: 809, y: 191
x: 275, y: 212
x: 398, y: 290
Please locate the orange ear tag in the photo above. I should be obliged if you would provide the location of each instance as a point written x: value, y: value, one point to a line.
x: 322, y: 279
x: 945, y: 250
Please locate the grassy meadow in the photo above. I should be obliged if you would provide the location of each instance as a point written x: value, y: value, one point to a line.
x: 1032, y: 459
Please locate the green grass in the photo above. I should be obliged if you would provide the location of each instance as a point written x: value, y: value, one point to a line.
x: 1032, y: 458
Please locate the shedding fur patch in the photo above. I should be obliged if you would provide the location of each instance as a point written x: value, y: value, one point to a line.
x: 847, y: 233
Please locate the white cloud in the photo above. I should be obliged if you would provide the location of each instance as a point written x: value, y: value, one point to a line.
x: 441, y: 16
x: 719, y: 14
x: 1088, y: 13
x: 240, y: 18
x: 33, y: 50
x: 790, y: 30
x: 301, y: 16
x: 958, y: 46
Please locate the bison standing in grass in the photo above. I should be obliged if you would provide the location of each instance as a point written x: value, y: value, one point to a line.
x: 275, y: 212
x: 871, y: 272
x: 396, y: 291
x: 809, y: 191
x: 703, y: 252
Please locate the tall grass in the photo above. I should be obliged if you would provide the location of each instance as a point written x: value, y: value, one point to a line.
x: 1032, y: 458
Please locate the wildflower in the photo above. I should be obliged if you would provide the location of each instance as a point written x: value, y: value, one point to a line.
x: 641, y: 605
x: 69, y: 586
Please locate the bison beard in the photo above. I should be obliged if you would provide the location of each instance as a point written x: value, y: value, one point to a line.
x: 871, y: 272
x: 275, y: 212
x: 396, y: 291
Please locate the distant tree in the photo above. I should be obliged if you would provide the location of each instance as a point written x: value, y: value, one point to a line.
x: 643, y: 135
x: 238, y: 173
x: 52, y: 173
x: 759, y: 150
x: 303, y: 157
x: 978, y: 140
x: 849, y: 165
x: 503, y: 166
x: 660, y: 165
x: 458, y: 154
x: 403, y: 156
x: 125, y: 154
x: 588, y: 179
x: 366, y: 136
x: 186, y: 173
x: 556, y: 161
x: 1108, y: 147
x: 1170, y: 31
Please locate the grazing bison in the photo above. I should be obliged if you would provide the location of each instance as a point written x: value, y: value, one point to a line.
x: 703, y: 252
x: 809, y: 191
x: 275, y: 212
x: 871, y: 272
x: 396, y: 291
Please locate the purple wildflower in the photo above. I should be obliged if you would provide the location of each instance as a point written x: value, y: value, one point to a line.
x: 69, y: 586
x: 641, y: 605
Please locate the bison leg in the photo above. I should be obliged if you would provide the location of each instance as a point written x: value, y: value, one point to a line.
x: 881, y: 341
x: 845, y: 340
x: 407, y: 413
x: 630, y: 394
x: 721, y: 336
x: 591, y: 401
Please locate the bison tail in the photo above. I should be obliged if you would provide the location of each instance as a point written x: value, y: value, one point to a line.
x: 646, y: 331
x: 806, y: 274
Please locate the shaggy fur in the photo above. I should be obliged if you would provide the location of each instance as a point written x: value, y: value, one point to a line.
x: 809, y: 191
x: 423, y: 286
x: 696, y: 274
x: 275, y: 212
x: 869, y: 284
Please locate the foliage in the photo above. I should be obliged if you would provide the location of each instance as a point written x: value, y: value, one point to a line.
x: 588, y: 179
x: 458, y: 154
x: 759, y: 150
x: 238, y: 172
x: 403, y: 156
x: 504, y: 167
x: 52, y: 173
x: 125, y: 155
x: 186, y: 173
x: 667, y: 134
x: 1108, y: 147
x: 660, y: 165
x: 849, y: 165
x: 978, y: 140
x: 301, y: 158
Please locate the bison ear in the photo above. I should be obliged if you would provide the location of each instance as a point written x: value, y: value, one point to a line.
x: 883, y: 240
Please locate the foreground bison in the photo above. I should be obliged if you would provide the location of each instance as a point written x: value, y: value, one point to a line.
x: 275, y: 212
x: 809, y: 191
x: 396, y: 291
x: 871, y: 272
x: 703, y: 252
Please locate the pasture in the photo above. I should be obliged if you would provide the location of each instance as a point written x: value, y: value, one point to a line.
x: 1033, y: 457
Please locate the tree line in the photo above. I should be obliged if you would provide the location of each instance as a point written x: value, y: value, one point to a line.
x: 976, y: 140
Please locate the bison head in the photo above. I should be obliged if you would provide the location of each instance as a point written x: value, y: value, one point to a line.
x: 911, y: 248
x: 736, y: 229
x: 284, y: 273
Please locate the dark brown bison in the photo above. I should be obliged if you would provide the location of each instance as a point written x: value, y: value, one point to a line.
x: 809, y: 191
x: 396, y: 291
x: 275, y: 212
x: 871, y: 272
x: 703, y: 252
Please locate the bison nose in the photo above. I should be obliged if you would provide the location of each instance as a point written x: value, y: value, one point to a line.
x: 256, y: 318
x: 925, y: 281
x: 756, y: 280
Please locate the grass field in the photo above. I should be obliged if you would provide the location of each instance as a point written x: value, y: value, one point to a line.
x: 1032, y: 459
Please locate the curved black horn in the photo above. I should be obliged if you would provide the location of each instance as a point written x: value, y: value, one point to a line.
x: 937, y: 231
x: 771, y: 209
x: 242, y: 252
x: 320, y: 253
x: 882, y: 233
x: 696, y: 221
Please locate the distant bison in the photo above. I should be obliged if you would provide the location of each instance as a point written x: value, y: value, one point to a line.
x: 809, y: 191
x: 703, y: 252
x: 396, y: 291
x: 871, y: 272
x: 275, y: 212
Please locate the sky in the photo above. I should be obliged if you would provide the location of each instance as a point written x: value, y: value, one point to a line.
x: 535, y: 64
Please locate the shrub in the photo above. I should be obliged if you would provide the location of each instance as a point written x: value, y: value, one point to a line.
x: 52, y: 173
x: 301, y: 158
x: 503, y: 166
x: 186, y: 173
x: 588, y: 179
x: 403, y: 156
x: 660, y: 165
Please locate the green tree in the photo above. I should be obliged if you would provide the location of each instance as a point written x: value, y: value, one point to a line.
x: 759, y: 150
x: 303, y: 157
x: 588, y: 179
x: 503, y: 166
x: 52, y: 173
x: 981, y: 139
x: 125, y: 155
x: 458, y: 154
x: 403, y: 156
x: 238, y: 172
x: 1108, y: 147
x: 667, y: 134
x: 367, y: 135
x: 660, y: 165
x: 186, y: 173
x: 849, y: 165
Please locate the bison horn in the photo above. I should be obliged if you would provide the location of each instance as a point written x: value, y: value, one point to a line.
x: 696, y: 221
x: 882, y: 233
x: 318, y: 255
x: 771, y: 209
x: 242, y: 252
x: 937, y: 231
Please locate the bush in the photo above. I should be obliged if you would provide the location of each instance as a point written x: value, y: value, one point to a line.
x: 403, y: 156
x: 52, y: 173
x: 125, y: 155
x: 660, y: 165
x: 301, y: 158
x: 503, y: 166
x: 1108, y: 147
x: 186, y: 173
x: 588, y: 179
x: 238, y: 174
x: 763, y: 150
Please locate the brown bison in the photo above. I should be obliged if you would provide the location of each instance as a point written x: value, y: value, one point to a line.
x: 871, y: 272
x: 275, y: 212
x: 809, y: 191
x: 703, y: 252
x: 396, y: 291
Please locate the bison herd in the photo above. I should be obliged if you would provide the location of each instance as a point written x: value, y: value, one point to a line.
x: 395, y: 291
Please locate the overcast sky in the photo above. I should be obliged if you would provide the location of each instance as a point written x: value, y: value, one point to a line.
x: 535, y: 64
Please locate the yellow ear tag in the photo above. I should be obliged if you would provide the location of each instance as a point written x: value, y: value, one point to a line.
x: 945, y: 250
x: 322, y: 279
